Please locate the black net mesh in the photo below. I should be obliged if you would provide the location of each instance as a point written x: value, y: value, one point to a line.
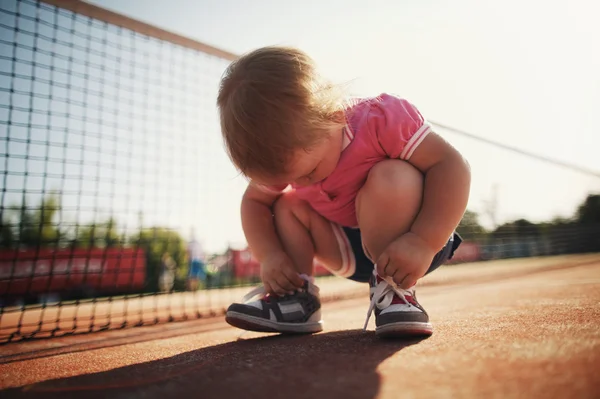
x: 107, y: 142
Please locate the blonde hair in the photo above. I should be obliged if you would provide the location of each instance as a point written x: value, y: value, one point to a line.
x: 272, y: 102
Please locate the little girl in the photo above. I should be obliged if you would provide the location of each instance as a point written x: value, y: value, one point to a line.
x: 364, y: 187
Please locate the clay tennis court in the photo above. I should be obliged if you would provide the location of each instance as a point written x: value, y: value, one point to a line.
x: 519, y: 328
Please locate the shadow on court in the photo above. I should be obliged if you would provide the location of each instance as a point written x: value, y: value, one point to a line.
x: 332, y: 365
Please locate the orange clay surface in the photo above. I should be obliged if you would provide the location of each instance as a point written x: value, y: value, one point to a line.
x: 521, y: 328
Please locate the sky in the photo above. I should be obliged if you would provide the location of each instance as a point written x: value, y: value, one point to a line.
x: 523, y: 73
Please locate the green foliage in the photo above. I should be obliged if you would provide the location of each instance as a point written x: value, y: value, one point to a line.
x: 7, y: 235
x: 562, y: 235
x: 31, y: 227
x: 469, y: 227
x: 589, y: 212
x: 100, y: 235
x: 157, y: 241
x: 521, y: 228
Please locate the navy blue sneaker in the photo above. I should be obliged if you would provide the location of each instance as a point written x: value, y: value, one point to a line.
x: 397, y: 311
x: 297, y: 313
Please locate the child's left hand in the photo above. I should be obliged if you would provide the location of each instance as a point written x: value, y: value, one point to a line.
x: 406, y: 260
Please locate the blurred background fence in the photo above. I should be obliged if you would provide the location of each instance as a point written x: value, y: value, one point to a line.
x: 117, y: 197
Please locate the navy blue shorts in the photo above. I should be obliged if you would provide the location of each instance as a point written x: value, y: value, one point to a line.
x: 358, y: 267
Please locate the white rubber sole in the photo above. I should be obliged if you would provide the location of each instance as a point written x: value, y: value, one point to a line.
x: 252, y: 323
x: 404, y: 329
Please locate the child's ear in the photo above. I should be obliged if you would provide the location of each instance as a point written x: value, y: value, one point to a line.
x: 339, y: 117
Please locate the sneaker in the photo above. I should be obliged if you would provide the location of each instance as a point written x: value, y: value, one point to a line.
x: 298, y: 313
x: 397, y: 312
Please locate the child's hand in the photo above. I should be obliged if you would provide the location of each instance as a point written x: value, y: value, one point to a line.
x: 406, y: 260
x: 278, y: 274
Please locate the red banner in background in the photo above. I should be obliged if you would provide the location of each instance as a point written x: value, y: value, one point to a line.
x: 55, y: 271
x: 466, y: 252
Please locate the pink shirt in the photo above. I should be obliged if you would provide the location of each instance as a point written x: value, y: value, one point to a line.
x: 378, y: 128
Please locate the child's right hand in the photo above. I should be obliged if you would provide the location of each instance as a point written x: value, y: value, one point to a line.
x: 278, y: 274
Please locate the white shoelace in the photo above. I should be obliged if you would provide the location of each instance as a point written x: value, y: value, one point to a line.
x: 384, y: 295
x: 260, y: 290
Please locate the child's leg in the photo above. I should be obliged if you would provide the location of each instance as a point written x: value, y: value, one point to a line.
x: 388, y: 204
x: 305, y: 234
x: 386, y: 207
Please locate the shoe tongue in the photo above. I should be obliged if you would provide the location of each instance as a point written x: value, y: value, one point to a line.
x: 407, y: 295
x: 409, y: 299
x: 397, y: 300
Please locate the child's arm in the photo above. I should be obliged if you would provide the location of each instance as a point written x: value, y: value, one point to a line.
x: 277, y: 270
x: 257, y: 222
x: 402, y: 133
x: 446, y: 192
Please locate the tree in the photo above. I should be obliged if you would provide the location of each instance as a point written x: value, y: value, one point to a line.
x: 589, y: 211
x: 7, y: 234
x: 101, y: 235
x: 36, y: 227
x: 588, y: 219
x: 49, y: 231
x: 156, y: 241
x: 521, y: 228
x: 469, y: 227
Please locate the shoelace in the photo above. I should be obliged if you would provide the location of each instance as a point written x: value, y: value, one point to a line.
x: 260, y: 290
x: 384, y: 295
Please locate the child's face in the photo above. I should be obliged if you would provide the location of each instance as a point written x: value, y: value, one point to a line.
x: 309, y: 167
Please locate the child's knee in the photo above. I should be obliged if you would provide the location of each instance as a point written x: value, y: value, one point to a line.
x: 288, y: 204
x: 395, y: 179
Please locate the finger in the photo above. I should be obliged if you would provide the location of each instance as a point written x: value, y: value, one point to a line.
x: 412, y: 279
x: 393, y: 272
x: 268, y: 288
x: 382, y: 263
x: 399, y: 278
x: 408, y: 282
x: 284, y: 283
x: 294, y: 278
x: 277, y: 288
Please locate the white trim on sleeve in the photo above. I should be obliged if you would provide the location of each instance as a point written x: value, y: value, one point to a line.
x: 414, y: 141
